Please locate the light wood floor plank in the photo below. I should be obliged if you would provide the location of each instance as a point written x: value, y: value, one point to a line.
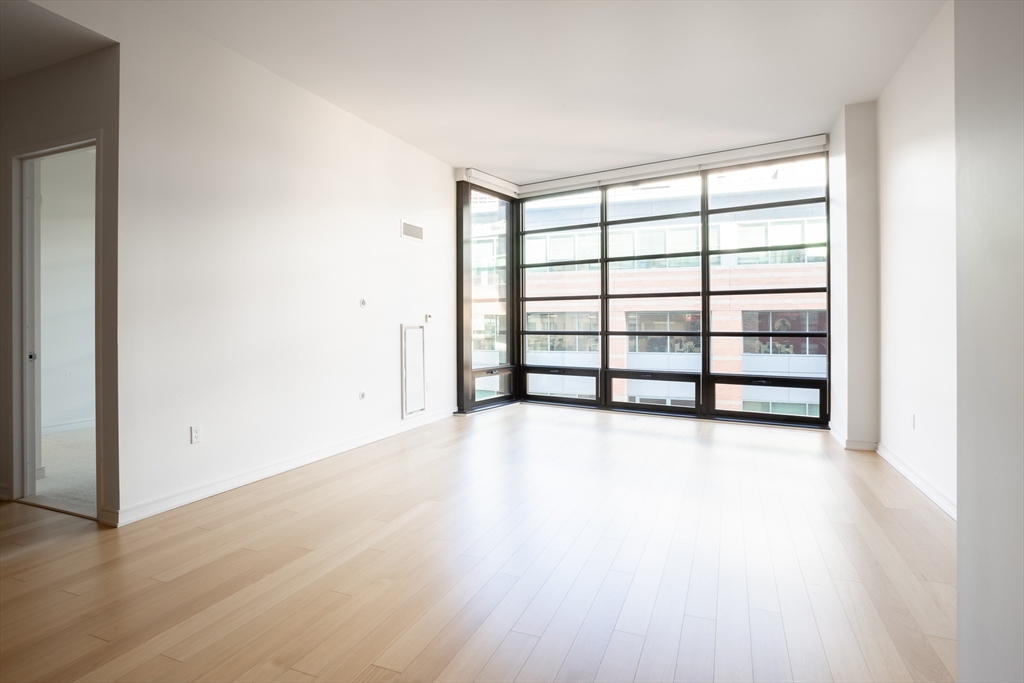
x: 532, y: 542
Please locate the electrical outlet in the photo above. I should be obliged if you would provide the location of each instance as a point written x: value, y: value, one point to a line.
x: 195, y: 434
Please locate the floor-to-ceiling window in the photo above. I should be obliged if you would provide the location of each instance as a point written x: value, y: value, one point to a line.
x: 486, y: 356
x: 767, y: 282
x: 703, y: 293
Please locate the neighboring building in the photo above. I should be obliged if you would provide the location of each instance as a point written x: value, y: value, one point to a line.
x: 654, y: 280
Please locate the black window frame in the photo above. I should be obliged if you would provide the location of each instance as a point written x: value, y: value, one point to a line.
x: 705, y: 381
x: 466, y: 400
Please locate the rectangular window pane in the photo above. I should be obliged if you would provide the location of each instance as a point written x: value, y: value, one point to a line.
x: 781, y: 226
x: 650, y: 276
x: 575, y: 280
x: 778, y: 313
x: 571, y: 245
x: 664, y: 353
x: 489, y: 314
x: 492, y: 386
x: 768, y: 400
x: 652, y: 238
x: 655, y: 314
x: 774, y: 182
x: 563, y: 350
x: 654, y: 198
x: 770, y: 269
x: 561, y: 386
x: 654, y: 392
x: 579, y: 208
x: 581, y: 316
x: 770, y: 356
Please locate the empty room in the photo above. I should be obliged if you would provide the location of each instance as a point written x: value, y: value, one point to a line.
x: 511, y: 340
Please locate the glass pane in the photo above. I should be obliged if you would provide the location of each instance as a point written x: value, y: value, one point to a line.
x: 571, y: 245
x: 575, y: 280
x: 579, y: 208
x: 63, y: 187
x: 650, y: 276
x: 580, y: 316
x: 672, y: 236
x: 563, y: 350
x: 562, y: 386
x: 664, y: 353
x: 654, y: 392
x: 654, y: 198
x: 493, y: 386
x: 769, y: 400
x: 775, y: 182
x: 654, y: 314
x: 802, y: 224
x: 489, y: 236
x: 770, y: 356
x: 779, y: 313
x: 770, y: 269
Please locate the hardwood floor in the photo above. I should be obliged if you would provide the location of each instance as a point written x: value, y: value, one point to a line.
x: 528, y: 543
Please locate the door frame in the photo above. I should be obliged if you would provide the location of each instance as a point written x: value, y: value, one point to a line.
x: 25, y: 319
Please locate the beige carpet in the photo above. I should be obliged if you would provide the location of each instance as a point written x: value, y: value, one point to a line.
x: 70, y: 462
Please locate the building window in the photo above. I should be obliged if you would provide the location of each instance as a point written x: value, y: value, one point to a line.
x: 664, y: 322
x: 787, y: 325
x: 489, y: 333
x: 574, y: 321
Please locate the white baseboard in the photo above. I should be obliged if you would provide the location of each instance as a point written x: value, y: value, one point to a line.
x: 107, y: 516
x: 69, y: 426
x: 5, y: 492
x: 841, y: 438
x: 153, y: 507
x: 947, y: 504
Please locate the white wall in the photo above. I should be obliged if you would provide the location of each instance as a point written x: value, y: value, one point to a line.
x: 917, y: 220
x: 990, y: 339
x: 254, y: 216
x: 853, y: 232
x: 67, y: 273
x: 70, y: 101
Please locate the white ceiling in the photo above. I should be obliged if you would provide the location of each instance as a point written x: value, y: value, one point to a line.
x: 531, y: 91
x: 32, y: 37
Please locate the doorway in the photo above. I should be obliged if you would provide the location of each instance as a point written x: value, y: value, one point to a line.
x: 58, y: 201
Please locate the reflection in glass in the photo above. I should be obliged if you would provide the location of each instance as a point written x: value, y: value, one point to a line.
x: 492, y: 386
x: 801, y: 224
x: 654, y: 392
x: 768, y: 400
x: 568, y: 245
x: 770, y: 356
x: 578, y: 208
x: 655, y: 314
x: 664, y: 353
x: 562, y: 386
x: 796, y: 312
x: 561, y: 320
x: 654, y: 198
x: 489, y: 317
x: 779, y: 181
x: 653, y: 238
x: 568, y: 350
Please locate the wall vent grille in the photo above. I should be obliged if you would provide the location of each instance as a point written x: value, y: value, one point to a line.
x: 413, y: 232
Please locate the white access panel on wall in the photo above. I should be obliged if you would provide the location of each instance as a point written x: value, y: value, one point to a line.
x: 414, y: 381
